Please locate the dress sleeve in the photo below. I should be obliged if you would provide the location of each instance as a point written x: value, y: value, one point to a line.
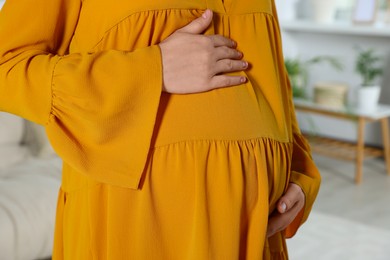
x: 99, y: 109
x: 304, y: 172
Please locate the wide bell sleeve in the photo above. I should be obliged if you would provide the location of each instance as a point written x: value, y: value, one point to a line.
x: 99, y: 109
x: 304, y: 172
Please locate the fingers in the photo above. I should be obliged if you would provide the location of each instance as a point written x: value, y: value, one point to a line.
x: 275, y: 224
x: 224, y: 52
x: 221, y: 81
x: 227, y: 65
x: 198, y: 25
x: 288, y: 207
x: 220, y: 40
x: 279, y: 222
x: 195, y: 63
x: 293, y: 195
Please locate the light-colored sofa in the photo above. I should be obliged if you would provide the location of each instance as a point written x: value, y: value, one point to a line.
x: 30, y: 175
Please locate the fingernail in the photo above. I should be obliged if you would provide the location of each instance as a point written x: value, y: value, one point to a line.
x: 206, y: 13
x: 284, y: 206
x: 233, y: 44
x: 243, y: 79
x: 245, y: 64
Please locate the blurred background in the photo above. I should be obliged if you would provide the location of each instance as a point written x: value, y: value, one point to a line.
x: 336, y: 51
x: 329, y: 30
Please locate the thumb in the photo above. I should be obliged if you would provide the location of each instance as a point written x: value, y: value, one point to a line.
x: 200, y: 24
x: 283, y: 205
x: 290, y: 198
x: 286, y: 202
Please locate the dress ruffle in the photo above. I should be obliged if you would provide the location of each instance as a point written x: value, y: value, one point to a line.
x: 205, y: 195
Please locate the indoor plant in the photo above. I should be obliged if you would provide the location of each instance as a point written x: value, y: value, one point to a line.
x: 368, y: 66
x: 297, y: 70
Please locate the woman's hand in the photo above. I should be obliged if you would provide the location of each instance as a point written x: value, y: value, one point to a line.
x: 288, y: 207
x: 193, y: 62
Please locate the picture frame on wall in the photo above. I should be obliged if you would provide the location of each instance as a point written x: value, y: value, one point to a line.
x: 365, y: 11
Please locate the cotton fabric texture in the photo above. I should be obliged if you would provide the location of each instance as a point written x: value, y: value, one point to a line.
x: 150, y: 175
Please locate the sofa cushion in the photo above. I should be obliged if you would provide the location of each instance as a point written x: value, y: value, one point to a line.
x: 28, y: 196
x: 12, y: 154
x: 11, y: 135
x: 11, y: 129
x: 37, y: 141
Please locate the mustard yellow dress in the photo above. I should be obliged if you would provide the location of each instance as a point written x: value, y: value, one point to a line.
x: 149, y: 175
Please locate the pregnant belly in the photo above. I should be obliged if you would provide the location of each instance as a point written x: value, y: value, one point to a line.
x: 222, y: 114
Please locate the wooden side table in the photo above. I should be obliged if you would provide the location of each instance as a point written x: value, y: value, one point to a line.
x: 346, y: 150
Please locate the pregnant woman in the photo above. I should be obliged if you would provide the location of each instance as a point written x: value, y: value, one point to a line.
x: 174, y: 120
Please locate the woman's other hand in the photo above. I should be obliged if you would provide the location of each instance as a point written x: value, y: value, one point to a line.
x: 288, y: 207
x: 193, y: 62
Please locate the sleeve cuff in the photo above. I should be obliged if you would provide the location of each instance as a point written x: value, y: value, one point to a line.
x: 310, y: 188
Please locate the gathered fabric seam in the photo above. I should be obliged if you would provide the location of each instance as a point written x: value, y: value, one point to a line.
x: 165, y: 10
x: 269, y: 139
